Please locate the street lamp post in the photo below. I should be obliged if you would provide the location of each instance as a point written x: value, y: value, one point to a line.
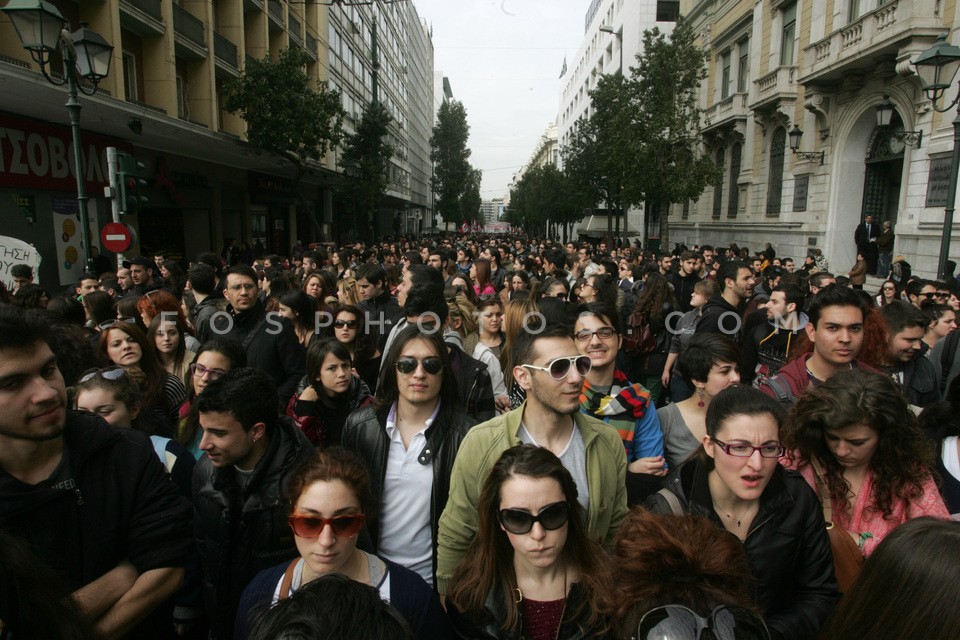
x: 937, y: 67
x: 42, y: 31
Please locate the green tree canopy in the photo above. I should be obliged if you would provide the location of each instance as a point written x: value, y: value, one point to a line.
x: 470, y: 200
x: 285, y: 115
x: 450, y: 156
x: 368, y: 153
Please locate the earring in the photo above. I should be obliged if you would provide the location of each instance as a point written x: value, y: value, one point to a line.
x: 700, y: 397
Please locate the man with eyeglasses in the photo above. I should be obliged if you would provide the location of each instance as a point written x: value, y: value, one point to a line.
x: 239, y: 510
x: 607, y: 394
x: 551, y: 372
x: 905, y: 359
x: 94, y: 502
x: 269, y: 339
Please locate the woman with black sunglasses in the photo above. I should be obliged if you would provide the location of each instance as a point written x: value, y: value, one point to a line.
x: 330, y: 495
x: 350, y: 329
x: 737, y: 482
x: 531, y: 571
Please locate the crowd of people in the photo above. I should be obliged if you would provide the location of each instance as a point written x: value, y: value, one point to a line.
x: 480, y: 438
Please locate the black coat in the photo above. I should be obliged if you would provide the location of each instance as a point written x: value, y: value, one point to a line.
x: 274, y: 347
x: 487, y: 627
x: 719, y: 316
x: 921, y: 384
x: 239, y: 533
x: 683, y: 289
x: 365, y: 433
x: 787, y: 547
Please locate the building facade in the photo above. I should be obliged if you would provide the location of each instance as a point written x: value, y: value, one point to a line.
x: 164, y: 102
x: 822, y: 66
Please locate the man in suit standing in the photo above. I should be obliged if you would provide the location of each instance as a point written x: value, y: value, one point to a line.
x: 865, y: 238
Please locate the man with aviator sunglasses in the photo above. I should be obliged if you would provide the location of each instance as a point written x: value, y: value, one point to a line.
x: 551, y: 372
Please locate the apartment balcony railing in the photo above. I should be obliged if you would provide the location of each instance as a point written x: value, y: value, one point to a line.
x: 731, y: 108
x: 224, y: 50
x: 144, y: 17
x: 189, y: 26
x: 779, y: 84
x: 295, y: 29
x: 275, y: 9
x: 311, y: 46
x: 885, y: 30
x: 150, y: 7
x: 252, y: 5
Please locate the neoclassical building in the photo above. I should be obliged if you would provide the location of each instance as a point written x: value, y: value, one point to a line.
x: 823, y: 66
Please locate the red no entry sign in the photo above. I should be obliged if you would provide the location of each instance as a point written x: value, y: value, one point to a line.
x: 115, y: 237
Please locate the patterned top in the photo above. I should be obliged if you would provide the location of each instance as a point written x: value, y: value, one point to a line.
x: 541, y: 620
x: 866, y: 519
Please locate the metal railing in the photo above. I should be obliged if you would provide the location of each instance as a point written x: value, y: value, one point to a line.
x: 150, y: 7
x: 225, y: 50
x: 276, y: 10
x: 189, y: 26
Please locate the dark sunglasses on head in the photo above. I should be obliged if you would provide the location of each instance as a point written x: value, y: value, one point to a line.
x: 106, y: 324
x: 350, y: 324
x: 551, y: 517
x: 559, y: 368
x: 113, y: 373
x: 432, y: 365
x: 312, y: 526
x: 676, y: 622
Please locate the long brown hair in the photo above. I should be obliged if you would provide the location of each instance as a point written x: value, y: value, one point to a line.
x: 657, y: 298
x: 156, y: 375
x: 903, y: 461
x: 488, y: 563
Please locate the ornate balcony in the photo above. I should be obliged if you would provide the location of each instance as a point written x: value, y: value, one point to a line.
x: 726, y: 113
x: 780, y: 85
x: 887, y: 31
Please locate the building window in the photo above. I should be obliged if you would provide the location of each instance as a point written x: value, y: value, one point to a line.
x: 743, y: 66
x: 718, y: 188
x: 854, y: 10
x: 725, y: 75
x: 668, y: 10
x: 685, y: 212
x: 778, y: 145
x: 130, y: 76
x: 733, y: 200
x: 788, y: 34
x: 183, y: 103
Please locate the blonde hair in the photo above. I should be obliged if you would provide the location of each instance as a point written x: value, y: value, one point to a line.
x: 349, y: 294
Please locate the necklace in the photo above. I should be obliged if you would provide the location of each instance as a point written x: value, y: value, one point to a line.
x: 731, y: 516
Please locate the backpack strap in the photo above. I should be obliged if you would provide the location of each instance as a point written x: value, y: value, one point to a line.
x: 287, y: 581
x: 782, y: 390
x: 672, y: 501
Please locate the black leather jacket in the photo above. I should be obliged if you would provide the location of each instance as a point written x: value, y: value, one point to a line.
x: 487, y: 627
x: 365, y: 433
x: 787, y: 547
x: 240, y: 533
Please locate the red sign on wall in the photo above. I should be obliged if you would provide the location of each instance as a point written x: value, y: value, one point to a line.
x: 39, y: 155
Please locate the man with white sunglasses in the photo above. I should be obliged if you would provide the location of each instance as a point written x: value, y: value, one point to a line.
x: 551, y: 372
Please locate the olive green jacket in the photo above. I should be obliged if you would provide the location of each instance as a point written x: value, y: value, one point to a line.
x: 480, y: 450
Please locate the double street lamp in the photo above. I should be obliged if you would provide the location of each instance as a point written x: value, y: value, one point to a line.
x: 936, y: 68
x: 42, y: 30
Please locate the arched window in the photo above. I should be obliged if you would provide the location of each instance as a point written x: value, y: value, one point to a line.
x: 718, y: 188
x: 778, y: 145
x: 733, y: 200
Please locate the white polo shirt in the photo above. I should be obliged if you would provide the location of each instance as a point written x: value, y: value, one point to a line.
x: 406, y: 536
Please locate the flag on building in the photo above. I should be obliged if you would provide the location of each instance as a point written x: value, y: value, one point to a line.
x: 563, y: 71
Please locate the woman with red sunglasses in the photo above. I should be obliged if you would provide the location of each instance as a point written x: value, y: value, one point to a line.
x: 329, y: 495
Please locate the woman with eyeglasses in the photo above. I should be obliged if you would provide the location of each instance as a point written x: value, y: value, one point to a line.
x: 480, y: 273
x: 737, y: 482
x: 125, y: 345
x: 675, y: 577
x: 332, y: 393
x: 887, y: 294
x: 409, y: 439
x: 350, y: 329
x: 531, y: 571
x: 168, y: 337
x: 213, y: 360
x: 115, y: 396
x: 858, y: 444
x: 330, y: 498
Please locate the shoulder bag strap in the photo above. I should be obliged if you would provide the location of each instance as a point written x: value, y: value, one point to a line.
x: 287, y: 581
x: 672, y: 501
x: 824, y: 490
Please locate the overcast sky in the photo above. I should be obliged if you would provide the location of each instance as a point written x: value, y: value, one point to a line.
x: 503, y: 59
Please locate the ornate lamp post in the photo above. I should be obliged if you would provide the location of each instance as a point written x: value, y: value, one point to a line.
x: 936, y: 67
x: 86, y: 55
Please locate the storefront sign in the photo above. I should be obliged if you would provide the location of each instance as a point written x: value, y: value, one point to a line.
x: 39, y: 155
x: 28, y: 205
x: 938, y: 182
x: 267, y: 189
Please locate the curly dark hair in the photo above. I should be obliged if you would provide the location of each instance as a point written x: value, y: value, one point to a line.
x: 903, y: 461
x: 657, y: 299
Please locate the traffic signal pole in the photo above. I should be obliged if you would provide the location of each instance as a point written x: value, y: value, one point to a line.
x: 114, y: 191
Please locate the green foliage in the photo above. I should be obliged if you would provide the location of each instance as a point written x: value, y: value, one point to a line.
x: 450, y: 154
x: 642, y: 140
x: 369, y: 154
x: 545, y: 195
x: 470, y: 201
x: 284, y: 114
